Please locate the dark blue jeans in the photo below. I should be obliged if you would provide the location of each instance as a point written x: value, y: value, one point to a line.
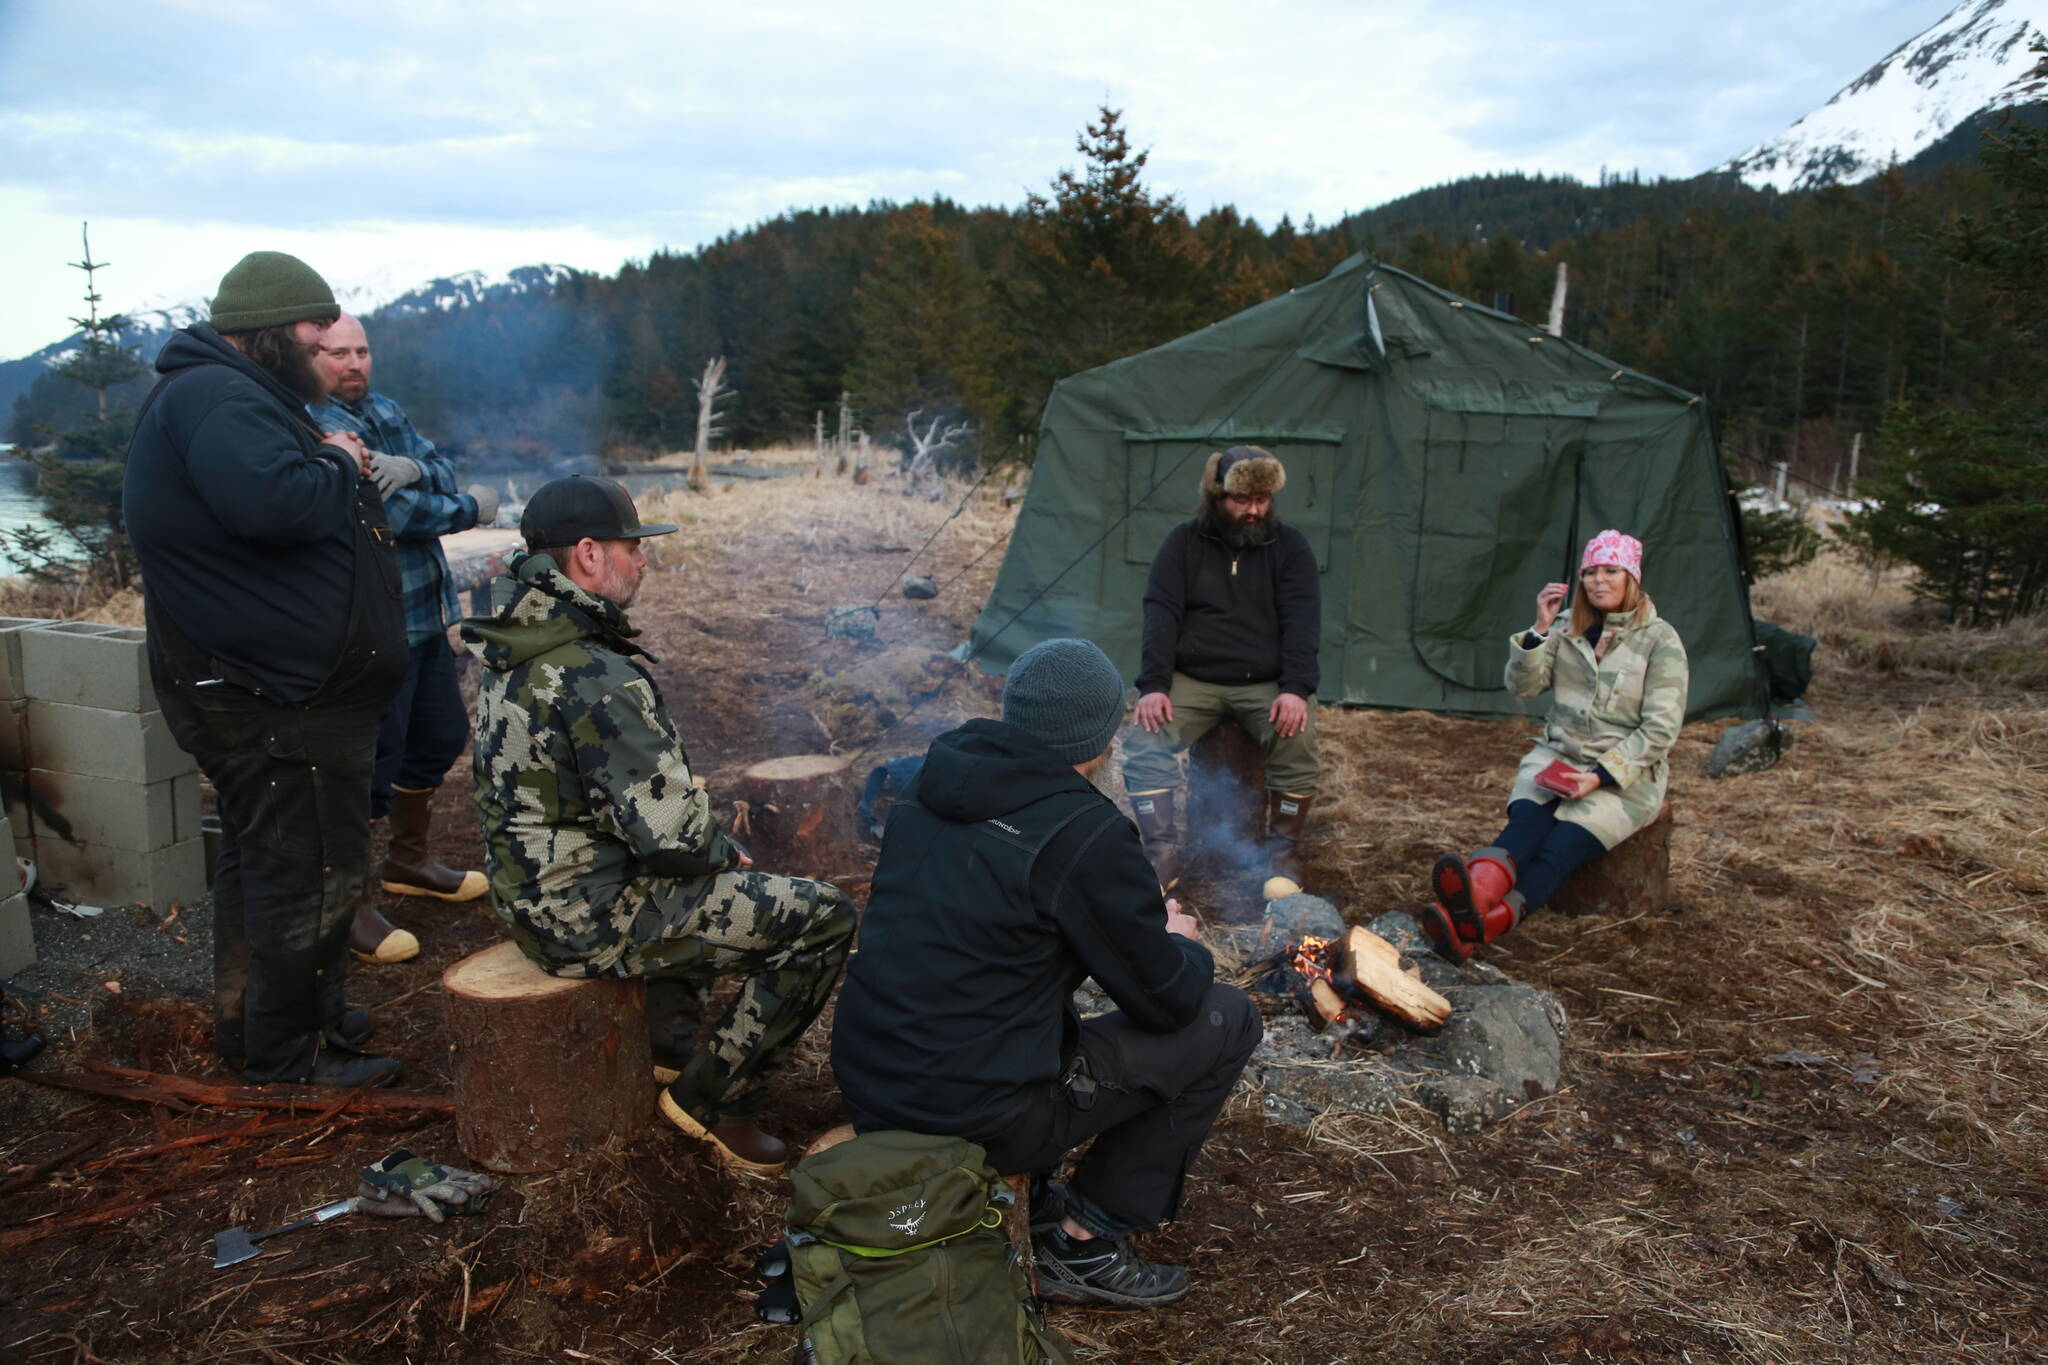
x: 1546, y: 849
x: 424, y: 730
x: 293, y: 785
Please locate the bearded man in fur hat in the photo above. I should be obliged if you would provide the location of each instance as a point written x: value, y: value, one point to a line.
x: 1233, y: 624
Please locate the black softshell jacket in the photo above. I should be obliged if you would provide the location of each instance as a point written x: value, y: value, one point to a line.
x: 1005, y: 879
x: 1230, y: 616
x: 248, y: 528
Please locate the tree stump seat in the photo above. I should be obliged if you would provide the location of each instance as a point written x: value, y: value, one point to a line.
x: 1634, y: 876
x: 1226, y: 799
x: 545, y: 1067
x: 798, y: 819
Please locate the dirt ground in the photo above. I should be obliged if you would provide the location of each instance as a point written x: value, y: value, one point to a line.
x: 1802, y: 1117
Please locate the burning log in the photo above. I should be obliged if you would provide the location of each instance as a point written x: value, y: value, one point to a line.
x: 1365, y: 964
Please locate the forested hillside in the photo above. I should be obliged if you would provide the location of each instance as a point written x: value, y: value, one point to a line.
x: 1800, y: 317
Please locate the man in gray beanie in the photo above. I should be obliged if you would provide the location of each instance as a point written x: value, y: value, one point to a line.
x: 1006, y: 879
x: 276, y: 643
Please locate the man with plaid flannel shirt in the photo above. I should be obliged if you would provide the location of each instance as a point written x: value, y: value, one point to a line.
x: 427, y: 726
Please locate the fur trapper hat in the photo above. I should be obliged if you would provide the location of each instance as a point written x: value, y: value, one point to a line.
x: 1244, y: 472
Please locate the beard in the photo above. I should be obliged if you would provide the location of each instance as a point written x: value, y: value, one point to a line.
x: 282, y: 356
x: 1234, y: 532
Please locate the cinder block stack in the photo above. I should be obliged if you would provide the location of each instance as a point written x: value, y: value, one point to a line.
x: 17, y: 941
x: 113, y: 803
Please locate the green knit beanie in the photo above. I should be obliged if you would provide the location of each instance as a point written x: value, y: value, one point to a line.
x: 271, y: 289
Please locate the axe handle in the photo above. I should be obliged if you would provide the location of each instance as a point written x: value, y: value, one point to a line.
x: 313, y: 1219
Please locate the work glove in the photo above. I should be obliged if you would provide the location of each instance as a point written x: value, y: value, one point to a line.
x: 486, y: 503
x: 392, y: 472
x: 406, y: 1186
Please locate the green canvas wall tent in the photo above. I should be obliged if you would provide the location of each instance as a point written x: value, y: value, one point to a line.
x: 1445, y: 460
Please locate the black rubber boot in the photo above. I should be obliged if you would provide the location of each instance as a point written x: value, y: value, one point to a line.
x: 1102, y: 1271
x: 1154, y: 814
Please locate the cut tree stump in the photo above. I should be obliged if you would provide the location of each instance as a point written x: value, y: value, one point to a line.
x: 1226, y: 799
x: 1634, y: 876
x: 798, y: 818
x: 546, y: 1067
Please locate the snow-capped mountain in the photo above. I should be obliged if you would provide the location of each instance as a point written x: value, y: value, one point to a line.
x: 1978, y: 57
x: 151, y: 323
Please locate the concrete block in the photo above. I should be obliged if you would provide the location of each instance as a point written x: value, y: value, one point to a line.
x: 11, y: 685
x: 73, y: 808
x: 17, y: 936
x: 185, y: 806
x: 94, y: 874
x: 14, y: 751
x: 134, y: 746
x: 85, y: 663
x: 14, y: 793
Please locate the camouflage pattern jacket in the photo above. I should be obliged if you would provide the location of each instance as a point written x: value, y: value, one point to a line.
x: 585, y: 792
x: 1621, y: 711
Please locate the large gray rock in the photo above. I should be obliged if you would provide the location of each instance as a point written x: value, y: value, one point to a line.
x: 852, y: 623
x: 1302, y: 916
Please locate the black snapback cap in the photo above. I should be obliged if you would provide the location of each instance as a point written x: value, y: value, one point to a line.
x: 567, y: 510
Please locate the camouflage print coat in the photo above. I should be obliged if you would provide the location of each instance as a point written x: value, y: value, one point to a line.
x: 585, y: 792
x: 1622, y: 712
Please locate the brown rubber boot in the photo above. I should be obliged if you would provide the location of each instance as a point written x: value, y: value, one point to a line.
x: 737, y: 1141
x: 409, y: 870
x: 1286, y: 814
x: 372, y: 938
x: 1154, y: 812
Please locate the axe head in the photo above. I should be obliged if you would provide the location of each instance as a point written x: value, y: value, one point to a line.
x: 234, y: 1247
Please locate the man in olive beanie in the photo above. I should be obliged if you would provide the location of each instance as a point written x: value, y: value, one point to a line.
x: 1006, y: 878
x: 276, y: 643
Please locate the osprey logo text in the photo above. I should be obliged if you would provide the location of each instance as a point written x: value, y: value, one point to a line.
x: 907, y: 1219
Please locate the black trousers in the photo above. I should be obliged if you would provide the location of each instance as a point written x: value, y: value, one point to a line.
x: 426, y: 727
x: 1147, y: 1099
x: 293, y: 788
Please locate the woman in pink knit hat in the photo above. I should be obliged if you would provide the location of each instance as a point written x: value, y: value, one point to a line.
x: 1617, y: 678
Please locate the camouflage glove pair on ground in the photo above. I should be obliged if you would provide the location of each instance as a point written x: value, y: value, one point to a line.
x: 406, y: 1186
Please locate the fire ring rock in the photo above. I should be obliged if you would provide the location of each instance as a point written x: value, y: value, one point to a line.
x: 1502, y: 1047
x: 1302, y: 915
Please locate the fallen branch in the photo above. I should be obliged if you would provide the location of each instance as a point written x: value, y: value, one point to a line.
x: 26, y: 1178
x: 14, y: 1239
x: 153, y: 1087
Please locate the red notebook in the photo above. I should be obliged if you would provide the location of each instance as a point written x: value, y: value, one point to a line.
x: 1560, y: 777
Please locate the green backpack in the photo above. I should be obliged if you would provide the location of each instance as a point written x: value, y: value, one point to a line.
x: 897, y: 1247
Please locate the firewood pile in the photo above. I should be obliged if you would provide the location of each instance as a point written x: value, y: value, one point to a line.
x: 1337, y: 982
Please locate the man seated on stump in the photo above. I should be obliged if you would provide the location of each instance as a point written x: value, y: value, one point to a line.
x: 1006, y: 879
x: 1233, y: 624
x: 603, y: 856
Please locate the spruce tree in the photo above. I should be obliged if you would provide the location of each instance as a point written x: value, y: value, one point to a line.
x: 79, y: 473
x: 1102, y: 268
x: 919, y: 316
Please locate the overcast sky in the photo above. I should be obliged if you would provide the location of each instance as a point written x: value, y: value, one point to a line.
x: 404, y: 140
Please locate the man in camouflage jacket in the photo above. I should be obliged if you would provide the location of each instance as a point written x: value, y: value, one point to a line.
x: 603, y: 855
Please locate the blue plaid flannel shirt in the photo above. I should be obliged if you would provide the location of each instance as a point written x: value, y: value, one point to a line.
x: 419, y: 514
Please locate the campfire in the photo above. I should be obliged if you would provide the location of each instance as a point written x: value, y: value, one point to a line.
x: 1343, y: 984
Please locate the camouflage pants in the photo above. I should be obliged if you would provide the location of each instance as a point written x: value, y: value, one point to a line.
x: 788, y: 939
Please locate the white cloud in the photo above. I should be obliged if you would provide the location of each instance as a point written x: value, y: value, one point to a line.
x: 191, y: 131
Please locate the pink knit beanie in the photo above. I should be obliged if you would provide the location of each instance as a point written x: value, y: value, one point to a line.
x: 1612, y: 547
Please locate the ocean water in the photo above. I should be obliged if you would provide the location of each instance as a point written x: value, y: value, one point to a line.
x: 19, y: 505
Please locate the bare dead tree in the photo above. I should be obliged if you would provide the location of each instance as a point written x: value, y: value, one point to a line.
x: 925, y: 448
x: 845, y: 429
x: 710, y: 389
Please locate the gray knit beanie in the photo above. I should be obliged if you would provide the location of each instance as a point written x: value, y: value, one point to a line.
x: 1067, y: 694
x: 271, y: 289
